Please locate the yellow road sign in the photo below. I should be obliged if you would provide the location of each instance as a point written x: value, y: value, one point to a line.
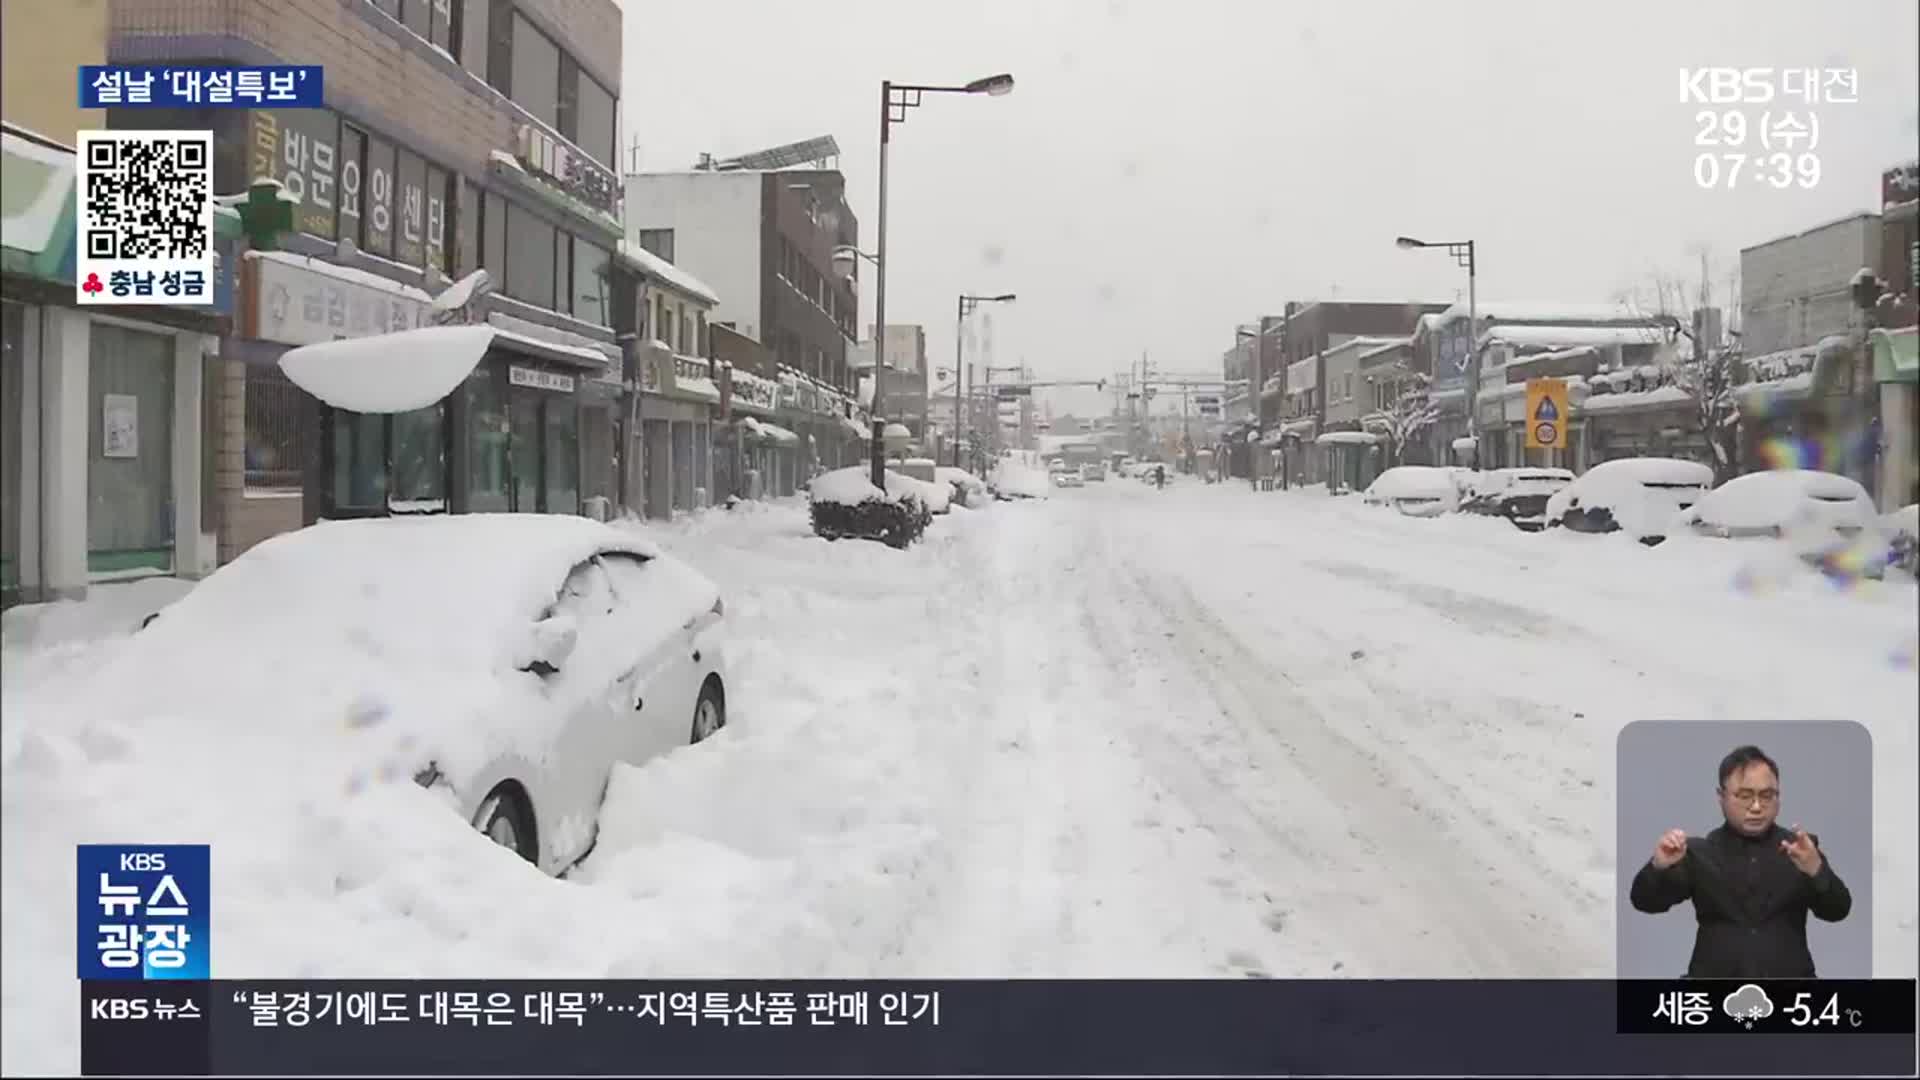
x: 1547, y: 414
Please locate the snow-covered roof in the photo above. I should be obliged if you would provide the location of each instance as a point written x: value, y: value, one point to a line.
x: 1347, y: 438
x: 1759, y: 396
x: 1857, y: 215
x: 1537, y: 359
x: 1635, y: 399
x: 1563, y: 337
x: 1364, y: 342
x: 1386, y: 345
x: 649, y: 263
x: 1546, y: 312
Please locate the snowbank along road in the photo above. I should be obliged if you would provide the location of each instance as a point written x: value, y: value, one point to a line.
x: 1198, y: 732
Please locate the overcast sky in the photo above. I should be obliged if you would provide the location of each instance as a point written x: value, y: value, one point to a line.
x: 1167, y: 169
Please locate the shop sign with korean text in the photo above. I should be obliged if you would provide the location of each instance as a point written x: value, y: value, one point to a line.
x: 295, y: 305
x: 540, y: 380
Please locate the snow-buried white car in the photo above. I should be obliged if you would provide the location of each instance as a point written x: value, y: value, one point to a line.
x: 507, y: 661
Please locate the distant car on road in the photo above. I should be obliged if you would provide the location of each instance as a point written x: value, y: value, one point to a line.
x: 1638, y: 496
x: 1068, y: 479
x: 1518, y: 495
x: 1414, y: 490
x: 1093, y: 472
x: 509, y: 660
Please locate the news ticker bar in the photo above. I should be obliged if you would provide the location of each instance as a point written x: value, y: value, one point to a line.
x: 1236, y: 1027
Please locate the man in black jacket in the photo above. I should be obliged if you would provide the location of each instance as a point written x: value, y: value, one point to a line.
x: 1751, y: 881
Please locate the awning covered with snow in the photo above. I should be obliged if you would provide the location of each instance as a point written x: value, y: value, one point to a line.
x: 1896, y: 355
x: 856, y: 429
x: 769, y: 433
x: 1347, y: 438
x: 389, y: 373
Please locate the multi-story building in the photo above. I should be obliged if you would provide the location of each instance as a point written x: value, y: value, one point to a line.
x: 1796, y: 290
x: 103, y: 454
x: 458, y: 135
x: 1896, y: 360
x: 764, y: 239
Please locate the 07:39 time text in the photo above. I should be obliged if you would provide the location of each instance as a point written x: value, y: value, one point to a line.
x: 1778, y: 171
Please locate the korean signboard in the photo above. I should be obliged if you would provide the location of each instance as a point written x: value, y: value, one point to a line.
x: 349, y: 183
x: 540, y: 380
x: 567, y: 169
x: 295, y: 304
x: 753, y: 392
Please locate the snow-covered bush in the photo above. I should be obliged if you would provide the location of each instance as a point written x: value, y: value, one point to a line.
x: 845, y: 504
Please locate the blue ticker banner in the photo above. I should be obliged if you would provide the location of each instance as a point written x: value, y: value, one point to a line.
x: 184, y: 86
x: 140, y: 912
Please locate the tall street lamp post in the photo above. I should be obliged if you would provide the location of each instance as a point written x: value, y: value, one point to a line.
x: 1462, y: 252
x: 965, y: 307
x: 895, y: 100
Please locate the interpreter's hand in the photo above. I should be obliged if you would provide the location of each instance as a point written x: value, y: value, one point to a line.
x: 1671, y: 848
x: 1803, y: 851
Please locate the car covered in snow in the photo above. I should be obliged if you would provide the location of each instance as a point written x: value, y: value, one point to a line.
x: 925, y: 474
x: 1415, y: 490
x: 1819, y: 514
x: 1519, y: 495
x: 505, y: 661
x: 968, y: 489
x: 1902, y: 528
x: 1068, y: 478
x: 1093, y: 471
x: 1015, y: 478
x: 1641, y: 497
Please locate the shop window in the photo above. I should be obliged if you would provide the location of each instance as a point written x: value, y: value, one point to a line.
x: 658, y: 241
x: 493, y: 238
x: 487, y: 439
x: 420, y: 459
x: 562, y: 271
x: 561, y: 447
x: 536, y: 72
x: 590, y: 292
x: 594, y: 114
x: 530, y: 274
x: 445, y: 28
x: 130, y: 438
x: 359, y: 461
x: 524, y: 417
x: 500, y: 46
x: 276, y: 451
x: 13, y: 321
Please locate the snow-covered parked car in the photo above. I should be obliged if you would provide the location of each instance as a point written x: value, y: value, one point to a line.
x: 1638, y: 496
x: 1519, y: 495
x: 968, y: 489
x: 843, y: 504
x: 1014, y: 478
x: 1415, y: 490
x: 1067, y: 478
x: 1819, y: 514
x: 935, y: 492
x: 504, y: 661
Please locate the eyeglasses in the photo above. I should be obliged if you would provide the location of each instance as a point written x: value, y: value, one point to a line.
x: 1748, y: 796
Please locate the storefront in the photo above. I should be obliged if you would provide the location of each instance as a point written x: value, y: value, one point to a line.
x: 1896, y: 371
x: 1353, y: 458
x: 678, y: 399
x: 101, y: 408
x: 485, y: 420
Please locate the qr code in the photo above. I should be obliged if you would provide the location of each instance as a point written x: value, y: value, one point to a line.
x: 146, y: 195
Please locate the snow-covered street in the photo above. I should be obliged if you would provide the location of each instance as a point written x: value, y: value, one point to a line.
x: 1121, y: 732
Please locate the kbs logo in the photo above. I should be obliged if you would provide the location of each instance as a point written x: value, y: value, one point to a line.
x: 141, y: 911
x: 1765, y: 85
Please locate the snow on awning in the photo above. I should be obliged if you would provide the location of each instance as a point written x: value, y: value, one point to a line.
x: 1658, y: 397
x: 1568, y: 337
x: 1764, y: 397
x: 857, y: 429
x: 696, y: 386
x: 389, y: 373
x: 1299, y: 428
x: 772, y: 433
x: 1347, y: 438
x: 1465, y: 443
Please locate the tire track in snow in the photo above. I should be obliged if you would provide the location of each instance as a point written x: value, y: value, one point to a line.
x: 1378, y: 846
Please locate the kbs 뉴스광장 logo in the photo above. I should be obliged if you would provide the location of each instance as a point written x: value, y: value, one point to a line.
x: 141, y: 911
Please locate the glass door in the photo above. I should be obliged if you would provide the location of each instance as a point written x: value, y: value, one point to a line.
x: 130, y: 451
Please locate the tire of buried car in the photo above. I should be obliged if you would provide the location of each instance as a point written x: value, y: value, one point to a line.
x: 709, y: 713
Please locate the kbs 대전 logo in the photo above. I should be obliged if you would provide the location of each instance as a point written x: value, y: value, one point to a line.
x: 141, y: 911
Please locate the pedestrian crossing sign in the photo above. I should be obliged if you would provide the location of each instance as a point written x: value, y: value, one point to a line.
x: 1546, y: 414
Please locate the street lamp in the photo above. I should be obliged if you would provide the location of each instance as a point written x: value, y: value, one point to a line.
x: 962, y: 426
x: 900, y: 98
x: 1462, y: 252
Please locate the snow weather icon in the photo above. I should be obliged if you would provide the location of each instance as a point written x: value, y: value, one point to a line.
x: 1747, y: 1004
